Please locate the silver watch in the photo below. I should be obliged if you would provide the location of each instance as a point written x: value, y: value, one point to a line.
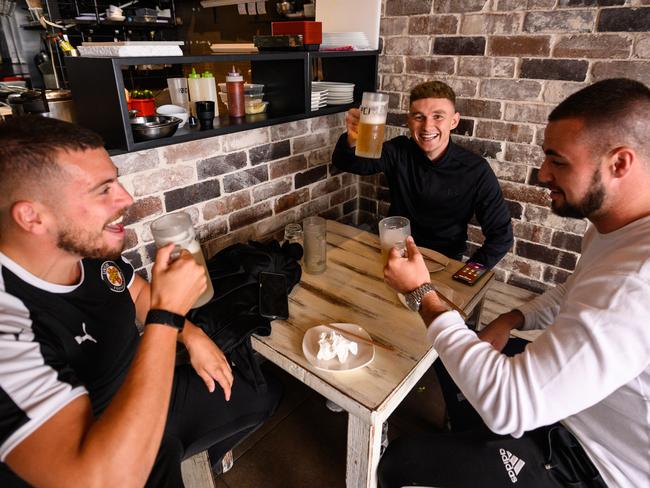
x: 414, y: 298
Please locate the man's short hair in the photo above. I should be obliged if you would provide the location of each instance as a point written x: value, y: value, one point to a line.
x: 614, y: 111
x: 29, y: 147
x: 432, y: 89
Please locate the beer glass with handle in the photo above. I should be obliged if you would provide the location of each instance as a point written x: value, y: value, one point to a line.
x: 372, y: 122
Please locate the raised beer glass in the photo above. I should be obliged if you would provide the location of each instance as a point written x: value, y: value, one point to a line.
x: 374, y: 108
x: 177, y: 228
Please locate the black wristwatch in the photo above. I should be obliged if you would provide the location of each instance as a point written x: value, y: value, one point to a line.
x: 165, y: 317
x: 414, y: 298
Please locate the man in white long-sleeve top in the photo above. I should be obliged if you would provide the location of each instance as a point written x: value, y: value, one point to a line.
x: 576, y: 401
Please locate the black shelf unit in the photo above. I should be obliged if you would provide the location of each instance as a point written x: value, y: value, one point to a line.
x: 100, y: 102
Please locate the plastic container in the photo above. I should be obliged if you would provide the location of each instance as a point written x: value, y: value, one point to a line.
x: 249, y: 88
x: 253, y: 104
x: 209, y: 89
x: 235, y: 89
x: 194, y: 86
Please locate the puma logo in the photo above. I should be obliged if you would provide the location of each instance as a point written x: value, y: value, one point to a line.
x: 85, y: 337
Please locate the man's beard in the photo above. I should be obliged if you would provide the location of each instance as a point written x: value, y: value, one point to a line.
x: 83, y: 243
x: 590, y: 203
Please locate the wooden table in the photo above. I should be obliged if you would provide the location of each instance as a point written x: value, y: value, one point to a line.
x: 352, y: 290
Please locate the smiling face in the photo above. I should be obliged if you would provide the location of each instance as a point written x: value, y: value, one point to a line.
x: 571, y: 171
x: 431, y: 121
x: 89, y: 210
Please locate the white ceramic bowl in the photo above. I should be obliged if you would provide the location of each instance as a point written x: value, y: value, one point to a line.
x: 174, y: 111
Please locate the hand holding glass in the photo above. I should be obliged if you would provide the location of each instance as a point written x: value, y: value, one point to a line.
x: 177, y: 228
x: 372, y: 122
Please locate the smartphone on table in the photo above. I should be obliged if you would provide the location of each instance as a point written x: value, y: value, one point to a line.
x: 273, y: 299
x: 470, y: 273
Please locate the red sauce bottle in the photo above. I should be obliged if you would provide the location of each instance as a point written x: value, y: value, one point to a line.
x: 235, y: 90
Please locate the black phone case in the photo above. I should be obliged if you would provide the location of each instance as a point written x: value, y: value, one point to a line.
x: 470, y: 273
x: 273, y: 298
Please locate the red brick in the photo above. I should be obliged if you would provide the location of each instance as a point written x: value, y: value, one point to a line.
x: 485, y: 109
x: 245, y: 178
x: 637, y: 70
x: 287, y: 166
x: 433, y: 25
x: 510, y: 89
x: 570, y: 242
x: 393, y: 26
x: 593, y: 46
x: 502, y: 131
x: 249, y: 215
x: 459, y: 45
x: 529, y: 154
x: 555, y: 276
x: 391, y: 64
x: 407, y: 46
x: 509, y: 172
x: 519, y: 46
x: 142, y: 208
x: 291, y: 200
x: 474, y: 24
x: 554, y: 69
x: 310, y: 176
x: 642, y: 46
x: 486, y: 67
x: 272, y: 189
x: 444, y: 65
x: 408, y: 7
x: 324, y: 187
x: 531, y: 232
x: 560, y: 21
x: 226, y: 204
x: 624, y: 20
x: 557, y: 91
x: 545, y: 254
x: 189, y: 195
x: 518, y: 112
x: 525, y: 193
x: 505, y: 5
x: 456, y: 6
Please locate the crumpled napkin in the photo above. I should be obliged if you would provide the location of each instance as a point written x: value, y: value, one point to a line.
x: 331, y: 344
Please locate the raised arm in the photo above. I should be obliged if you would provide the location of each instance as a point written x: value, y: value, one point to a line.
x: 72, y: 448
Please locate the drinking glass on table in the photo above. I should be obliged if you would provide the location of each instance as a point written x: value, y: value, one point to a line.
x: 372, y: 122
x: 393, y: 232
x: 177, y: 228
x: 315, y: 244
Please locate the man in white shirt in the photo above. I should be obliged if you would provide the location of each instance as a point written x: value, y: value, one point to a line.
x: 576, y: 401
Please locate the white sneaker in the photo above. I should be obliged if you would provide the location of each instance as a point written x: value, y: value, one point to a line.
x: 333, y: 406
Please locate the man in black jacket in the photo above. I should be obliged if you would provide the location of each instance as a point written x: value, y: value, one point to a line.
x: 433, y: 182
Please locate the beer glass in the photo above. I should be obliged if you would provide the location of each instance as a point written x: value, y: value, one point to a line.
x: 177, y: 228
x: 393, y: 232
x: 374, y: 108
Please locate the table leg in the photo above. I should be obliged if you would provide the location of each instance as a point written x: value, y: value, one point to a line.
x: 364, y: 442
x: 474, y: 320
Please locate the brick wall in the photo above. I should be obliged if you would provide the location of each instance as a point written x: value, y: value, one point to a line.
x: 510, y: 62
x: 246, y: 185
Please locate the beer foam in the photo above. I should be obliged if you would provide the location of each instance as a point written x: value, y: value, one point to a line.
x: 373, y: 113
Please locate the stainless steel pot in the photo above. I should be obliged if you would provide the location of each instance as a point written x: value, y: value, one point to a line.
x: 57, y: 104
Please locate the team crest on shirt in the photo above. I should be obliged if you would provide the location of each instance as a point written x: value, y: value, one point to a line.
x: 113, y: 277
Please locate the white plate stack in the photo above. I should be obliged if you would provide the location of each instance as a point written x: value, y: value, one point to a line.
x: 318, y: 98
x: 357, y: 40
x: 337, y: 93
